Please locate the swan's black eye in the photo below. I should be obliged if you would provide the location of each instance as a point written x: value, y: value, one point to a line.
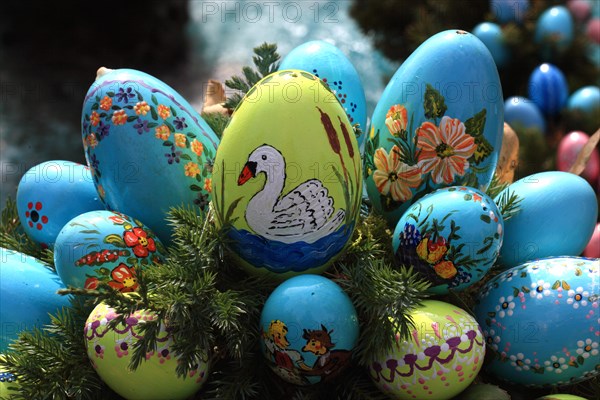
x: 264, y: 157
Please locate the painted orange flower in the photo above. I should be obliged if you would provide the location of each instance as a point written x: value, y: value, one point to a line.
x: 106, y: 103
x: 138, y: 240
x: 431, y: 251
x: 91, y: 140
x: 394, y: 177
x: 208, y: 185
x: 445, y: 269
x: 396, y: 119
x: 124, y: 279
x: 141, y: 108
x: 191, y: 169
x: 119, y: 117
x: 94, y: 118
x: 179, y: 140
x: 162, y: 132
x: 197, y: 147
x: 164, y: 111
x: 444, y: 150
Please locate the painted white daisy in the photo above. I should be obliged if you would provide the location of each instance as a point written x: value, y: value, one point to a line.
x: 520, y: 362
x: 540, y: 289
x: 505, y: 307
x: 506, y: 277
x: 587, y: 348
x: 556, y: 364
x: 578, y: 297
x: 492, y: 339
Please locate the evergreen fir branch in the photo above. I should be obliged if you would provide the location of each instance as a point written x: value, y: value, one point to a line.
x: 495, y: 187
x: 217, y: 122
x: 508, y: 204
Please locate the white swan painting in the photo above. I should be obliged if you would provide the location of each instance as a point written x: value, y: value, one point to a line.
x: 306, y: 213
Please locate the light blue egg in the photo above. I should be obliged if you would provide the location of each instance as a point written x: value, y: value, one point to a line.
x: 522, y: 113
x: 555, y: 28
x: 332, y: 66
x: 557, y: 215
x: 27, y: 294
x: 452, y: 237
x: 541, y: 320
x: 585, y: 100
x: 509, y: 10
x: 491, y: 35
x: 50, y: 194
x: 548, y: 88
x: 309, y: 328
x: 439, y: 123
x: 105, y: 247
x: 148, y: 149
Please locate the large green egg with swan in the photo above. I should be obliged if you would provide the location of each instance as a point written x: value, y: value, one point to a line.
x: 287, y: 177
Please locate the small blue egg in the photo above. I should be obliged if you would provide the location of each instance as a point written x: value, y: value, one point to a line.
x: 50, y: 194
x: 586, y: 100
x: 557, y: 215
x: 491, y: 35
x: 548, y: 88
x: 522, y: 113
x: 555, y: 28
x: 309, y: 328
x: 509, y: 10
x: 27, y: 294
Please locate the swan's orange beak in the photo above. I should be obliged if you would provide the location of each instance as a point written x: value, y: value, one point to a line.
x: 248, y: 172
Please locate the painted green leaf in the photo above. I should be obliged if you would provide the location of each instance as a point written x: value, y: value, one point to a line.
x: 130, y: 107
x: 485, y: 218
x: 232, y: 208
x: 483, y: 150
x: 115, y: 240
x: 556, y: 285
x: 523, y: 274
x: 468, y: 197
x: 132, y: 118
x: 170, y: 126
x: 139, y: 96
x: 167, y: 143
x: 525, y: 289
x: 488, y: 322
x: 580, y: 359
x: 185, y: 157
x: 97, y: 98
x: 153, y: 99
x: 491, y: 314
x: 110, y: 94
x: 565, y: 285
x: 433, y: 103
x: 153, y: 113
x: 152, y: 124
x: 195, y: 188
x: 191, y: 135
x: 475, y: 125
x: 115, y: 108
x: 173, y: 111
x: 89, y: 231
x: 95, y: 106
x: 515, y: 292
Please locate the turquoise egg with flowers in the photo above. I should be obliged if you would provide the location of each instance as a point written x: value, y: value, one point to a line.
x: 439, y: 123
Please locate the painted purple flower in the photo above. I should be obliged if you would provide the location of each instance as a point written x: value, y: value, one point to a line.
x: 173, y: 155
x: 179, y: 123
x: 124, y: 95
x: 94, y: 162
x: 202, y: 201
x: 142, y: 126
x: 102, y: 130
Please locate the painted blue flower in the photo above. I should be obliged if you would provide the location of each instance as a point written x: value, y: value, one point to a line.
x: 410, y: 236
x: 173, y: 156
x: 125, y: 95
x: 141, y: 126
x: 179, y: 123
x: 94, y: 162
x: 102, y: 130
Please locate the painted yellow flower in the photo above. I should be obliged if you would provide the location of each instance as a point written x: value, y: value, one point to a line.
x: 431, y: 251
x: 197, y: 147
x: 94, y: 118
x: 91, y: 140
x: 119, y: 117
x: 162, y: 132
x: 179, y: 140
x: 396, y: 119
x: 191, y: 169
x: 445, y: 269
x: 164, y: 111
x: 393, y: 177
x: 141, y: 108
x: 106, y: 103
x: 208, y: 185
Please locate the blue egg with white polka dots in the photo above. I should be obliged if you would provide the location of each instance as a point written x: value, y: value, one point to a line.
x: 542, y: 319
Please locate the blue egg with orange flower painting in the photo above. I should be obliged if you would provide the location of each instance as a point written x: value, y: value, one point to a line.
x: 451, y: 237
x: 439, y: 123
x: 105, y: 247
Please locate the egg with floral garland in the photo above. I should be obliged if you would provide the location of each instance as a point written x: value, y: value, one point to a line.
x: 50, y: 194
x: 147, y: 147
x: 451, y: 237
x: 438, y: 360
x: 110, y: 350
x: 541, y: 318
x: 105, y: 247
x: 290, y: 191
x: 439, y: 123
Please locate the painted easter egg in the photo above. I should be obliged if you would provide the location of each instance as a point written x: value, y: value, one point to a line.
x: 585, y: 100
x: 452, y: 237
x: 148, y: 149
x: 554, y: 28
x: 522, y: 113
x: 593, y: 247
x: 561, y: 397
x: 287, y: 177
x: 568, y: 150
x: 593, y: 30
x: 50, y: 194
x: 491, y: 35
x: 27, y: 294
x: 105, y: 247
x: 541, y: 318
x: 440, y: 359
x: 509, y: 10
x: 330, y: 64
x: 439, y: 123
x: 551, y: 203
x: 8, y: 383
x: 548, y: 88
x: 110, y: 351
x: 309, y: 328
x: 580, y: 9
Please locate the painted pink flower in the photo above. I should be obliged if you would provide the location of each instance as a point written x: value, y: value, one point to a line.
x: 394, y: 177
x: 444, y: 150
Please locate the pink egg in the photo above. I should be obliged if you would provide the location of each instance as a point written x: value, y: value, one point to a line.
x: 569, y: 148
x: 592, y: 250
x: 593, y: 30
x: 580, y: 9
